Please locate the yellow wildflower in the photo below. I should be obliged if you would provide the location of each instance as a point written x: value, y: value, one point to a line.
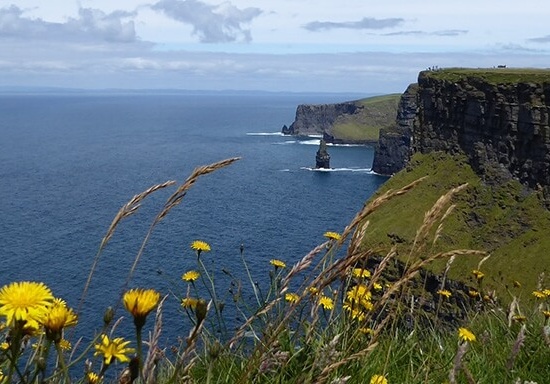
x: 313, y: 290
x: 326, y: 302
x: 277, y: 263
x: 444, y: 293
x: 473, y: 293
x: 466, y: 335
x: 93, y: 378
x: 378, y: 379
x: 519, y: 318
x: 360, y: 273
x: 65, y: 344
x: 57, y: 317
x: 24, y: 301
x: 377, y: 286
x: 546, y: 314
x: 354, y: 312
x: 539, y: 294
x: 292, y: 297
x: 332, y: 235
x: 478, y: 274
x: 366, y: 331
x: 189, y: 302
x: 113, y: 349
x: 546, y: 292
x: 140, y: 302
x: 200, y: 246
x: 359, y: 294
x: 190, y: 276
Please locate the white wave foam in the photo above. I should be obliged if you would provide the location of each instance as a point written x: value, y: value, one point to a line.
x: 309, y: 142
x: 360, y: 170
x: 317, y: 141
x: 265, y: 134
x: 285, y: 142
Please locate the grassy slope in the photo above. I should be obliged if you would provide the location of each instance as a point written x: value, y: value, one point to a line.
x: 378, y: 112
x: 494, y: 75
x: 505, y: 220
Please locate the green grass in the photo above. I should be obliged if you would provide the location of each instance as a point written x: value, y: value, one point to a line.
x: 378, y: 112
x: 492, y: 75
x: 505, y: 220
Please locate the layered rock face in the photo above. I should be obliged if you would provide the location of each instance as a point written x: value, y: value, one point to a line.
x: 394, y: 145
x: 317, y: 119
x: 504, y: 129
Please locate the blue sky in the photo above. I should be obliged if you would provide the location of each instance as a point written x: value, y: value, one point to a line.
x: 274, y: 45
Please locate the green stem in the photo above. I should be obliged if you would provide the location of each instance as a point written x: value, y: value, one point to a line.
x: 140, y: 351
x: 250, y: 279
x: 212, y: 293
x: 61, y: 360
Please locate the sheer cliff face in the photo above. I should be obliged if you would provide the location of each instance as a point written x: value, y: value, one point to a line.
x: 318, y: 119
x: 503, y: 129
x: 394, y: 145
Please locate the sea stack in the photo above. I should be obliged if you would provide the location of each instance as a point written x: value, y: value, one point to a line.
x: 322, y: 159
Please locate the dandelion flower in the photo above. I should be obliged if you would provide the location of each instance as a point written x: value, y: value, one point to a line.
x: 189, y: 302
x: 190, y: 276
x: 539, y: 294
x: 478, y: 274
x: 366, y: 331
x: 113, y: 349
x: 546, y: 292
x: 24, y: 301
x: 200, y: 246
x: 292, y: 297
x: 277, y: 263
x: 313, y: 290
x: 140, y: 302
x: 326, y: 302
x: 377, y: 286
x: 360, y: 273
x: 65, y: 345
x: 378, y: 379
x: 473, y: 293
x: 359, y: 294
x: 354, y: 312
x: 546, y: 314
x: 519, y: 318
x: 444, y: 293
x: 57, y: 317
x: 466, y: 335
x: 332, y: 235
x: 93, y: 378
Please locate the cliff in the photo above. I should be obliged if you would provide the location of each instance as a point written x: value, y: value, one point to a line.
x: 499, y: 118
x: 357, y: 122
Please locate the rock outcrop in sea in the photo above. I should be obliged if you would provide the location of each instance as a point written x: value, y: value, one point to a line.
x: 322, y: 158
x: 502, y: 126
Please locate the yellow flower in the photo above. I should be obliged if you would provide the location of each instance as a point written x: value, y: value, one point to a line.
x: 3, y: 346
x: 546, y: 314
x: 113, y: 349
x: 189, y: 302
x: 473, y: 293
x: 539, y: 294
x: 377, y: 286
x: 313, y: 290
x: 359, y: 294
x: 139, y: 302
x: 519, y: 318
x: 57, y: 317
x: 546, y: 292
x: 200, y: 246
x: 292, y: 297
x: 332, y: 235
x: 360, y: 273
x: 378, y: 379
x: 190, y: 276
x: 478, y: 274
x: 517, y: 284
x: 445, y: 293
x: 354, y: 312
x: 24, y: 301
x: 326, y: 302
x: 366, y: 331
x: 93, y: 378
x: 65, y: 344
x: 277, y: 263
x: 466, y: 335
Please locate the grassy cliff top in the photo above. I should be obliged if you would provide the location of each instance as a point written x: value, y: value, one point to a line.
x: 492, y: 75
x: 378, y: 112
x: 505, y: 220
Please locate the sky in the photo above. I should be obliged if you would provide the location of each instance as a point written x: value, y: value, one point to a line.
x: 272, y: 45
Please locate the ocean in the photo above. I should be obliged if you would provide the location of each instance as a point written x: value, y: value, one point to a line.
x: 70, y: 161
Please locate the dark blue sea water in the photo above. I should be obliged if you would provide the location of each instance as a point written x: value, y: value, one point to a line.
x: 68, y: 162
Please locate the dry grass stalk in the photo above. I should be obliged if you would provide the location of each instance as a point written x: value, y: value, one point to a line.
x: 173, y: 201
x: 457, y: 365
x: 440, y: 226
x: 482, y: 261
x: 515, y: 349
x: 512, y: 310
x: 125, y: 211
x: 431, y: 217
x: 325, y: 373
x: 153, y: 352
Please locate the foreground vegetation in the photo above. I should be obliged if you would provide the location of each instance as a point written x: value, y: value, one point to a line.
x: 493, y: 75
x: 333, y: 316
